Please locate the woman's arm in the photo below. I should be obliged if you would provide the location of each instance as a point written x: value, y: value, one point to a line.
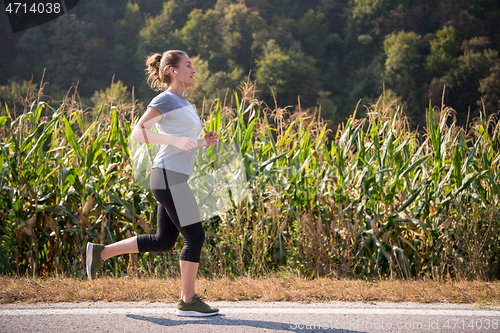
x: 142, y: 131
x: 209, y: 140
x: 202, y: 143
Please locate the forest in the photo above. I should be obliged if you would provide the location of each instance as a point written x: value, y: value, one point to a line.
x: 328, y: 53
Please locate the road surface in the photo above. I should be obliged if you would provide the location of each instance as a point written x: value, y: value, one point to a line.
x: 248, y: 317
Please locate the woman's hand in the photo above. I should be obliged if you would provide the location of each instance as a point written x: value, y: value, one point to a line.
x: 183, y: 142
x: 211, y: 138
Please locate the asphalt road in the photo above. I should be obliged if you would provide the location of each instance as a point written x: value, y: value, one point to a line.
x: 247, y: 317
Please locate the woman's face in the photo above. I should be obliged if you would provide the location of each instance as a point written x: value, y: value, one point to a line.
x: 186, y: 71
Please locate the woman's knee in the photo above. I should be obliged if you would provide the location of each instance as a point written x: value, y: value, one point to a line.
x: 194, y: 237
x: 164, y: 247
x: 201, y: 237
x: 156, y: 243
x: 164, y: 242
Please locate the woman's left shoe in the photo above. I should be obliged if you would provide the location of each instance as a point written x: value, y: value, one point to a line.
x: 94, y: 260
x: 195, y: 308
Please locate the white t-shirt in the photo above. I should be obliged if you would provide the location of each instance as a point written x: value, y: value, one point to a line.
x: 179, y: 119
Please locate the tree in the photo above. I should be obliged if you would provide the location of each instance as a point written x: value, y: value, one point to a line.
x: 238, y: 27
x: 116, y: 94
x: 444, y: 50
x: 328, y: 108
x: 208, y: 86
x: 69, y: 42
x: 8, y: 47
x: 98, y: 14
x: 365, y: 9
x: 365, y: 13
x: 156, y: 35
x: 201, y: 36
x: 466, y: 81
x: 125, y: 46
x: 33, y: 48
x: 489, y: 88
x: 97, y: 64
x: 150, y: 7
x: 402, y: 67
x: 313, y: 35
x: 288, y: 74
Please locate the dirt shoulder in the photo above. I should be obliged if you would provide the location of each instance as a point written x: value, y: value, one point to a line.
x: 34, y: 290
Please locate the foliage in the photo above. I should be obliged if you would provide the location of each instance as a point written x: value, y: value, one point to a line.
x: 287, y: 74
x: 490, y: 90
x: 401, y: 67
x: 117, y: 92
x: 444, y: 49
x: 376, y: 202
x: 350, y: 48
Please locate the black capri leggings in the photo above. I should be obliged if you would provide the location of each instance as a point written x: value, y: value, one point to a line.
x: 169, y: 226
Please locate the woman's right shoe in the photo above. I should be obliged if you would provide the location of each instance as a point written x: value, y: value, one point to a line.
x: 94, y: 260
x: 195, y: 308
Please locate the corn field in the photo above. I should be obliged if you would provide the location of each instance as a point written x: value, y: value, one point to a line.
x: 377, y: 201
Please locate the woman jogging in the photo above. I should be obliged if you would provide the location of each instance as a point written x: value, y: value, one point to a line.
x: 178, y: 128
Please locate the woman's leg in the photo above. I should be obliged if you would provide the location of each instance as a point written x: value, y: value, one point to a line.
x: 193, y: 234
x: 164, y: 239
x: 128, y: 245
x: 189, y: 270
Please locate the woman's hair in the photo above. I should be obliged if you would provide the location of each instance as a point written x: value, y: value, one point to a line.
x: 158, y: 68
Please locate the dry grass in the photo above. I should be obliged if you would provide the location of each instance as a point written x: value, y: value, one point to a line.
x: 31, y: 290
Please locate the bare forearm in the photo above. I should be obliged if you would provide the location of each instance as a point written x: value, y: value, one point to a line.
x: 147, y: 136
x: 202, y: 143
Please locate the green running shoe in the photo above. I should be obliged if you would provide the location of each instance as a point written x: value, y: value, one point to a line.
x: 195, y: 308
x: 94, y: 260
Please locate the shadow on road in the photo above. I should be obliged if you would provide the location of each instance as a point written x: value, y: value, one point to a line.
x: 220, y: 320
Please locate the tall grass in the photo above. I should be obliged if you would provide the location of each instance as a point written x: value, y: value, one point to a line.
x: 377, y: 201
